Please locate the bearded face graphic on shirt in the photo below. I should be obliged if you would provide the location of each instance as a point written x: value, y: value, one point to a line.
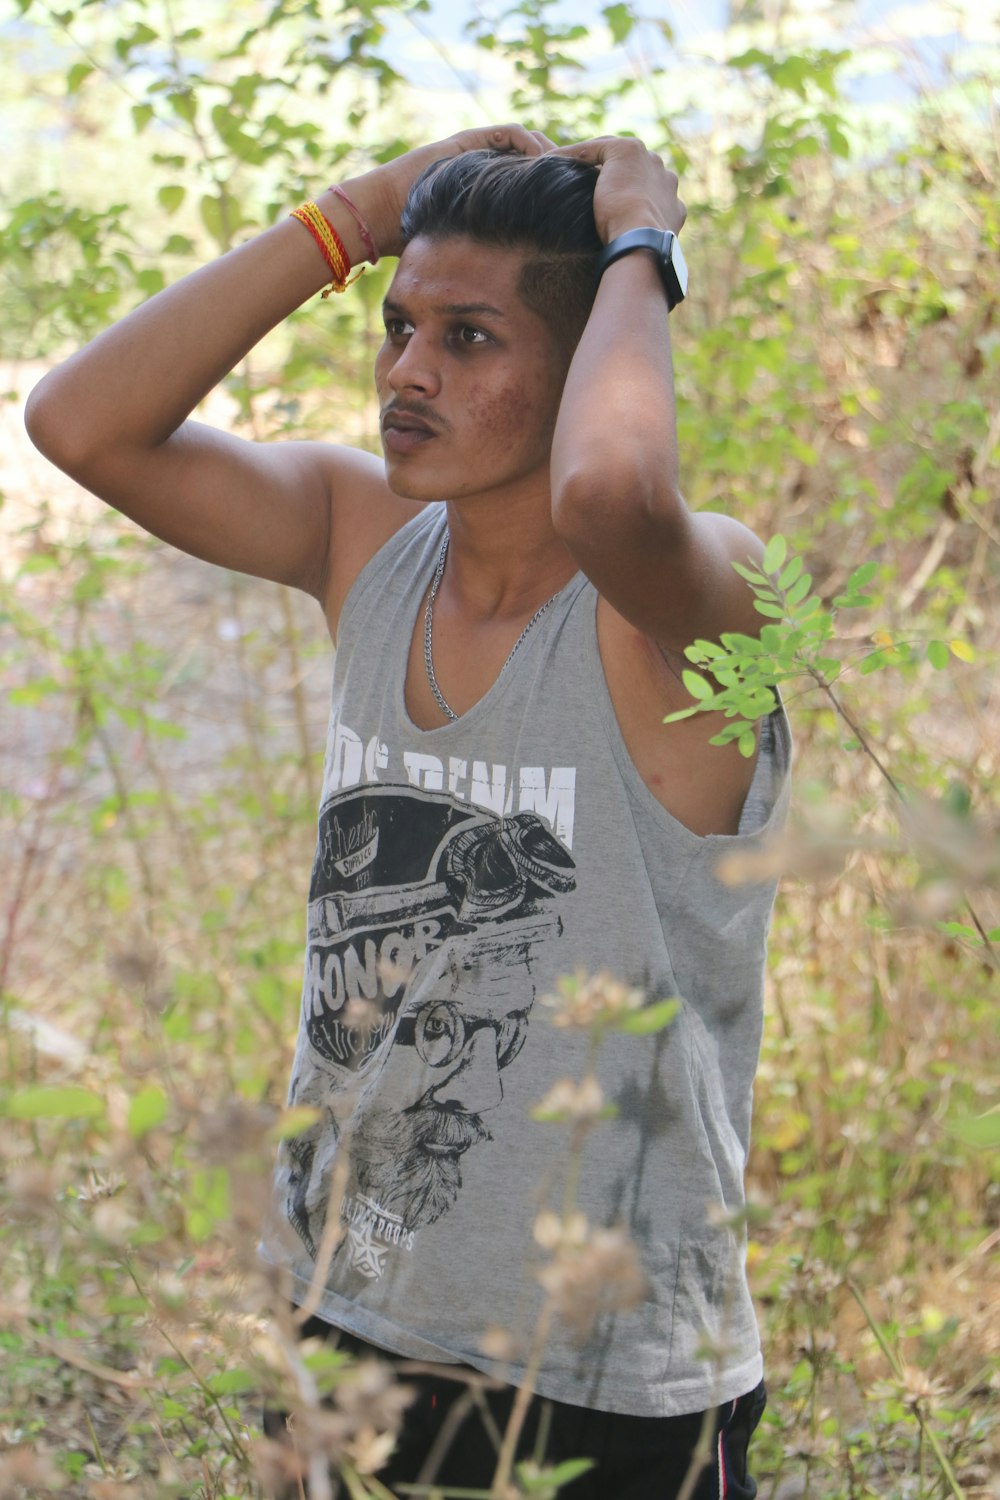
x: 441, y: 1074
x: 403, y: 1090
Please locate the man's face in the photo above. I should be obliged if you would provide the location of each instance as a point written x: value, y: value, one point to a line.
x: 469, y: 379
x: 442, y: 1072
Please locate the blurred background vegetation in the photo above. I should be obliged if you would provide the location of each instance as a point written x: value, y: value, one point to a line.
x: 160, y: 747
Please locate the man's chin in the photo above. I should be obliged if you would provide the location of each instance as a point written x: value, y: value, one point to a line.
x: 409, y: 486
x: 423, y: 488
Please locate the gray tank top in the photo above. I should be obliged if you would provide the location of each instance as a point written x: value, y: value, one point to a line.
x: 459, y: 873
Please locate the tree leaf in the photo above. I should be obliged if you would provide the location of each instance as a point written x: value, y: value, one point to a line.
x: 148, y: 1109
x: 790, y: 573
x: 774, y: 554
x: 978, y: 1130
x: 799, y: 590
x: 962, y: 650
x: 861, y: 576
x: 292, y: 1122
x: 650, y: 1019
x: 937, y: 654
x: 56, y: 1102
x: 621, y: 19
x: 533, y: 1481
x: 170, y: 196
x: 78, y: 73
x: 696, y: 685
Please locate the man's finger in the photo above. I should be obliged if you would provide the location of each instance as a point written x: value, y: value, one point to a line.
x: 592, y: 151
x: 508, y: 138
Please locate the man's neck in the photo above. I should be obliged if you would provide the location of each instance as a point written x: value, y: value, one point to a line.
x: 504, y: 557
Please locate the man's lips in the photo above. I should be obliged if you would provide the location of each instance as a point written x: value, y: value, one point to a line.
x: 404, y: 431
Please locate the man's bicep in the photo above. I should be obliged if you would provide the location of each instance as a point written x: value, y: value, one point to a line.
x: 258, y: 508
x: 677, y: 584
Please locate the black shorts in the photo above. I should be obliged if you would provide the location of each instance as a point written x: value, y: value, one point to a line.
x: 635, y: 1458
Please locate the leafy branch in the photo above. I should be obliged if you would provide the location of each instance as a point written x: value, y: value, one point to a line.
x: 800, y: 640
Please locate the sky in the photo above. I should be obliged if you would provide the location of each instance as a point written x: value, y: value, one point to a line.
x: 898, y: 48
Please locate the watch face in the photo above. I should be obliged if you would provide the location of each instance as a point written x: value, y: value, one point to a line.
x: 679, y: 265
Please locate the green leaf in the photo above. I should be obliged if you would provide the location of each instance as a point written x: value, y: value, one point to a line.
x: 790, y: 574
x: 753, y: 58
x: 55, y: 1102
x: 78, y: 73
x: 621, y: 19
x: 532, y: 1481
x: 697, y: 686
x: 141, y: 116
x: 772, y: 611
x: 938, y: 654
x: 650, y: 1019
x: 32, y: 693
x: 799, y: 590
x: 211, y: 216
x: 231, y: 1382
x: 148, y: 1109
x: 183, y: 104
x: 292, y: 1122
x: 747, y: 743
x: 150, y: 281
x: 861, y: 576
x: 178, y: 244
x: 979, y: 1130
x: 170, y: 196
x: 774, y: 554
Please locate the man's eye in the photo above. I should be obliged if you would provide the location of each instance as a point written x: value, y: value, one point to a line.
x: 397, y: 328
x: 470, y: 335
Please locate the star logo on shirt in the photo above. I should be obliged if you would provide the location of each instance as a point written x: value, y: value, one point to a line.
x: 366, y: 1256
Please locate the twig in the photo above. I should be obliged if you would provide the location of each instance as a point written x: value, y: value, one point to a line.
x: 522, y: 1401
x: 926, y: 1429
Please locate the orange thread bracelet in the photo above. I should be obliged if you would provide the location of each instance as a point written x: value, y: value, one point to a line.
x: 331, y: 245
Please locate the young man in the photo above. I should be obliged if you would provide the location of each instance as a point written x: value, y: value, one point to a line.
x: 509, y: 595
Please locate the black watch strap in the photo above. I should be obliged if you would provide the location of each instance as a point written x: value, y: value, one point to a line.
x: 664, y: 243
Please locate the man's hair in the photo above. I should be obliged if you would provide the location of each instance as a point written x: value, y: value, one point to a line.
x: 543, y: 205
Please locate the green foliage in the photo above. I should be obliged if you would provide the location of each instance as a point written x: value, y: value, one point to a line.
x: 796, y: 642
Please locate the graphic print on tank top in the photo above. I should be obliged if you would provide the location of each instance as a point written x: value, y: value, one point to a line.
x: 426, y: 916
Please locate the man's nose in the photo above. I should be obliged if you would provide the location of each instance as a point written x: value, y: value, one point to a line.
x: 475, y: 1084
x: 414, y: 368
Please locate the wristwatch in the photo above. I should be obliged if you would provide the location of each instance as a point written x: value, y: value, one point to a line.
x: 669, y: 258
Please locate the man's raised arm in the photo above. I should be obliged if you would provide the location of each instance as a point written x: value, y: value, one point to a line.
x: 615, y: 485
x: 115, y: 415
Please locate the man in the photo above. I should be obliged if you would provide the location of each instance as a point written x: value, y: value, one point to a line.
x: 509, y: 595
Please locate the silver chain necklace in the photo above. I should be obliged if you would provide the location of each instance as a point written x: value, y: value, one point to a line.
x: 440, y: 698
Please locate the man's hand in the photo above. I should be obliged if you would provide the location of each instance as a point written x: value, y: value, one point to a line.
x: 634, y: 189
x: 383, y: 191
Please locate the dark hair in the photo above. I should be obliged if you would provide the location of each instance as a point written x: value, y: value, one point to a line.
x: 543, y: 205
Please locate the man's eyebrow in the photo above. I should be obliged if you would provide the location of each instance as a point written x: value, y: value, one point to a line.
x: 451, y: 309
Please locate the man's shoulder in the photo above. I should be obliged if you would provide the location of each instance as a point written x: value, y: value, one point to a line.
x: 364, y: 515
